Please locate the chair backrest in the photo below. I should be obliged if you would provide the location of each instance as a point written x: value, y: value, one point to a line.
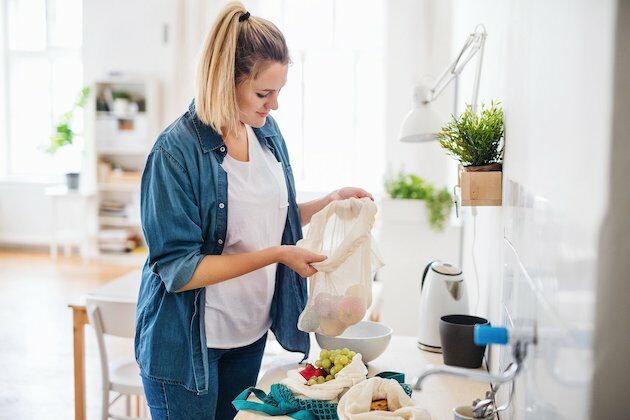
x: 112, y: 316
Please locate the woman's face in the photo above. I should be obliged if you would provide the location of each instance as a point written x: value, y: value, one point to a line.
x: 255, y: 98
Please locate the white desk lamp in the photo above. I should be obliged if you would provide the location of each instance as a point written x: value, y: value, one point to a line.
x: 422, y: 123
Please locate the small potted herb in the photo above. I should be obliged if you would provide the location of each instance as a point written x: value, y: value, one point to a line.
x: 412, y: 187
x: 63, y: 137
x: 476, y: 141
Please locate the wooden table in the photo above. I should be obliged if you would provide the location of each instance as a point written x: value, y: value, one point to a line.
x: 440, y: 394
x: 124, y: 287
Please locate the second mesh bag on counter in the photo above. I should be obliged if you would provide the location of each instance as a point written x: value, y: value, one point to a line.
x: 341, y: 291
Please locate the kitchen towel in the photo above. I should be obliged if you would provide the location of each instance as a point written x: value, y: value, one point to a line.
x: 355, y: 404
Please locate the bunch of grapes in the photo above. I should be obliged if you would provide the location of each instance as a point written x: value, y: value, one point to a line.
x: 332, y: 361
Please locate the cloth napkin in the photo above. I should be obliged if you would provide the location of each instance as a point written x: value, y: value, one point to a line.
x: 349, y: 376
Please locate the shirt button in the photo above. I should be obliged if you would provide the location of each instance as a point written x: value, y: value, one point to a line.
x: 220, y: 241
x: 222, y: 149
x: 221, y: 205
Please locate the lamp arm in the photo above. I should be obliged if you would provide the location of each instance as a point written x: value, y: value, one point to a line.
x: 474, y: 44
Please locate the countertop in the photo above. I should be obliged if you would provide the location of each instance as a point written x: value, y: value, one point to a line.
x: 440, y: 394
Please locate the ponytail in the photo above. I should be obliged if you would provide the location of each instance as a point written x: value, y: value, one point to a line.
x: 237, y: 49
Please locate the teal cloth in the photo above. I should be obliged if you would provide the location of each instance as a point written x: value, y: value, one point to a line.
x: 281, y: 402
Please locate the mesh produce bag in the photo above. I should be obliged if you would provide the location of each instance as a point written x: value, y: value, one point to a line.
x: 282, y: 402
x: 341, y: 291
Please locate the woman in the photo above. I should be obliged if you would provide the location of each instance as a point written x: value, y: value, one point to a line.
x: 220, y: 219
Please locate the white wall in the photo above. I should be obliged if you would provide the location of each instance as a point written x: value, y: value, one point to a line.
x: 550, y: 63
x: 418, y: 46
x: 25, y: 214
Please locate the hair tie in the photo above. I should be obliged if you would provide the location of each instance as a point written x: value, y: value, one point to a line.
x: 243, y: 17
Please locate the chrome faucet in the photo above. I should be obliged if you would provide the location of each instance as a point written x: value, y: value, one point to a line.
x: 474, y: 375
x: 487, y: 335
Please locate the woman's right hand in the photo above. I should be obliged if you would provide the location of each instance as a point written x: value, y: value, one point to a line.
x: 299, y: 259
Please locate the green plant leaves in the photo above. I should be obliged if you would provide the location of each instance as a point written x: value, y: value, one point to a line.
x: 410, y: 186
x: 475, y: 139
x: 63, y: 134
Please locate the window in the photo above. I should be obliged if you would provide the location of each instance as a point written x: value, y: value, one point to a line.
x: 331, y: 111
x: 40, y: 78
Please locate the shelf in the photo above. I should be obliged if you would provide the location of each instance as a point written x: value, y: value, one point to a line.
x: 110, y: 115
x: 121, y: 142
x: 120, y: 187
x: 118, y: 221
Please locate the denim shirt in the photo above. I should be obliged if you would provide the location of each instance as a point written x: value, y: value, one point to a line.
x: 184, y: 207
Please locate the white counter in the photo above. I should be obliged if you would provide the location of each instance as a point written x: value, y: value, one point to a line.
x: 439, y: 395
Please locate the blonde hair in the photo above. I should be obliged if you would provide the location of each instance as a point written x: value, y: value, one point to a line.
x: 235, y: 51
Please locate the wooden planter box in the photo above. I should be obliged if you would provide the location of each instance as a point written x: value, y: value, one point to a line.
x: 480, y: 188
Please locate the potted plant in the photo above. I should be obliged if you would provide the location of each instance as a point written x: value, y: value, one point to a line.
x: 63, y: 139
x: 437, y: 202
x: 476, y: 141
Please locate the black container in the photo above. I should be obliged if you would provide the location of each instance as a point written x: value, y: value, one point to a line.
x: 458, y: 346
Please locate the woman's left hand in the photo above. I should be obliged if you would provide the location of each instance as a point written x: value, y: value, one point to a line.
x: 349, y: 192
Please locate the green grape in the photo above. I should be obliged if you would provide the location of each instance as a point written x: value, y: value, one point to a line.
x: 352, y: 354
x: 345, y: 351
x: 326, y: 363
x: 318, y: 363
x: 329, y: 378
x: 312, y: 381
x: 324, y: 354
x: 334, y: 370
x: 343, y: 359
x: 321, y: 379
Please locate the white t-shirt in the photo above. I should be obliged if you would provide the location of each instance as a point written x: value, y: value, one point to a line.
x: 237, y: 311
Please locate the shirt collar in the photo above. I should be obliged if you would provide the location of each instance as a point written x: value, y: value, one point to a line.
x: 211, y: 140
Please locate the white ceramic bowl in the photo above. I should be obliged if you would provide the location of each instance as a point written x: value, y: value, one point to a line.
x: 366, y: 337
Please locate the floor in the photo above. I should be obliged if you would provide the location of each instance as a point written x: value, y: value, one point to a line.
x: 36, y: 372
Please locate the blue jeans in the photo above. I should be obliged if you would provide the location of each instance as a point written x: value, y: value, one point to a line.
x: 230, y: 371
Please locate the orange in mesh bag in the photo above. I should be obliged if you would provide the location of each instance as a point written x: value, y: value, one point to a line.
x: 341, y: 291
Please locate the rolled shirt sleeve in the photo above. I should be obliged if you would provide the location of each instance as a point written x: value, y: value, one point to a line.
x: 170, y: 219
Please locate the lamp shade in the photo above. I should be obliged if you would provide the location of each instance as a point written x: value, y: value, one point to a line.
x: 422, y: 123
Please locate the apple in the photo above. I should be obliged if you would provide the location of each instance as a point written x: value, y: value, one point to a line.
x: 331, y: 327
x: 351, y: 310
x: 311, y: 371
x: 326, y: 305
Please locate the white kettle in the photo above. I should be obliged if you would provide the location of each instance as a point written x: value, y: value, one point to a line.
x: 442, y: 292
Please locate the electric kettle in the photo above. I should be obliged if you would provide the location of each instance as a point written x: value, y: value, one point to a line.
x: 442, y: 292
